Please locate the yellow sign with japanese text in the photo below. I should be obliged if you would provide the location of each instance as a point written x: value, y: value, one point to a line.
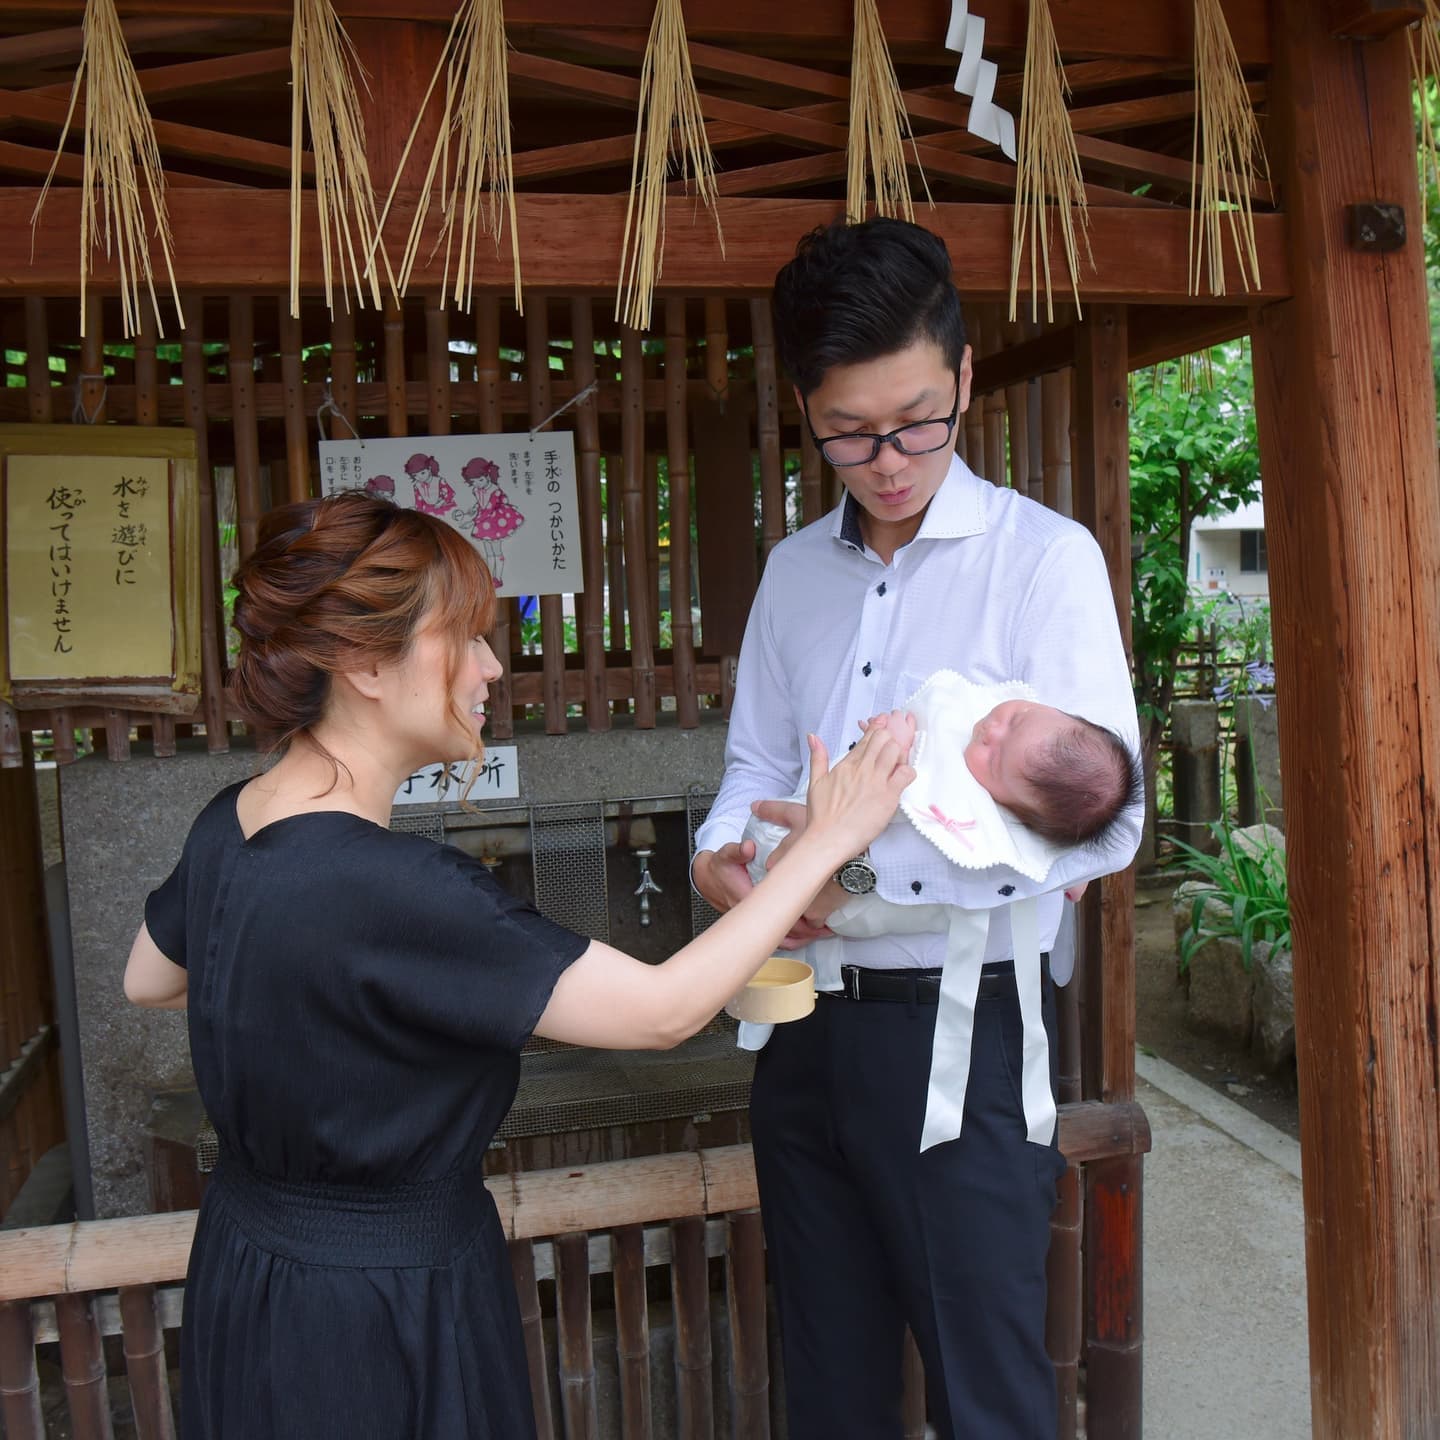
x: 88, y: 566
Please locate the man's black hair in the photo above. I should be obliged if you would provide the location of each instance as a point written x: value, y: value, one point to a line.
x: 856, y: 292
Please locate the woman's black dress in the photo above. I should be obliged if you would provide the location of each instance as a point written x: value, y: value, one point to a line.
x: 357, y: 1004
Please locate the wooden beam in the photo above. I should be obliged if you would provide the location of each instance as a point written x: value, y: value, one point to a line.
x: 1345, y: 405
x: 236, y: 240
x: 1165, y: 332
x: 1052, y: 349
x: 1372, y: 19
x: 1083, y: 28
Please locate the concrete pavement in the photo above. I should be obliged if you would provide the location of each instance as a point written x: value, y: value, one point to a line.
x: 1225, y: 1328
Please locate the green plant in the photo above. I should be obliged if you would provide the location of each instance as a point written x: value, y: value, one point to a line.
x: 1248, y: 880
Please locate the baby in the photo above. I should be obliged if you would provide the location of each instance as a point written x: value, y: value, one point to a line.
x: 1065, y: 779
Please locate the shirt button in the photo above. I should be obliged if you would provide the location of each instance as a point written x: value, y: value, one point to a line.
x: 916, y: 886
x: 880, y: 588
x: 1007, y: 889
x: 865, y: 669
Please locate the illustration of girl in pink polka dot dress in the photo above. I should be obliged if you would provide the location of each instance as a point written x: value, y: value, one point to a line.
x: 433, y: 495
x: 496, y: 519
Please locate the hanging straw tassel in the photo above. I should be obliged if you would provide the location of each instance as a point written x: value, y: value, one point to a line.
x: 120, y: 155
x: 477, y: 112
x: 879, y: 125
x: 321, y: 57
x: 669, y: 124
x: 1048, y: 175
x: 1424, y: 42
x: 1224, y: 156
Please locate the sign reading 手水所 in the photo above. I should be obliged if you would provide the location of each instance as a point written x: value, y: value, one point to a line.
x: 512, y: 496
x: 496, y: 777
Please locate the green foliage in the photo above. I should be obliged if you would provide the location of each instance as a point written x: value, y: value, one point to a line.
x: 1248, y: 879
x: 1192, y: 454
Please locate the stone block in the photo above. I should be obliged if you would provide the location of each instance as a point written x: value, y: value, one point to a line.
x: 1273, y: 1040
x: 1257, y: 763
x: 1195, y: 733
x: 1222, y: 991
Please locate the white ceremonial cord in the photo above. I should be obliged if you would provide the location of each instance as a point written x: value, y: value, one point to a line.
x: 328, y: 406
x: 976, y: 78
x: 575, y: 399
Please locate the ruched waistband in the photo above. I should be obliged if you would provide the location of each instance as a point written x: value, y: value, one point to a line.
x: 421, y: 1224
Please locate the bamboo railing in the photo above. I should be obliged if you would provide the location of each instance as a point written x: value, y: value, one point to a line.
x: 675, y: 1213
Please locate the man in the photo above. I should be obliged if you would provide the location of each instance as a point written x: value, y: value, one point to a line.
x: 923, y: 566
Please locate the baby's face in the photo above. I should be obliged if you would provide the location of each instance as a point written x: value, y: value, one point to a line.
x: 1002, y: 743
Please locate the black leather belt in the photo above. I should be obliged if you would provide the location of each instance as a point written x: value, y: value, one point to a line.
x: 917, y: 987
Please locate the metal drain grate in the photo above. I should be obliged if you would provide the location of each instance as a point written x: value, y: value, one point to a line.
x: 697, y: 806
x: 567, y: 847
x: 431, y: 826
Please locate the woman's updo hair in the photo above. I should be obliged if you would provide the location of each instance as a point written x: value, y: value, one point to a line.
x: 340, y: 584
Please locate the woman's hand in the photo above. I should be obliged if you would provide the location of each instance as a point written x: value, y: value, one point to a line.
x: 851, y: 804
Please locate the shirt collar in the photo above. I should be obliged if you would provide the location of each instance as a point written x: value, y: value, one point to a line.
x: 957, y: 510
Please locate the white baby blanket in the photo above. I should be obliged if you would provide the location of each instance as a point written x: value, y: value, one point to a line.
x: 950, y: 808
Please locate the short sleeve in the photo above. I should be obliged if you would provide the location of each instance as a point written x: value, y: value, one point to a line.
x: 165, y: 912
x: 474, y: 963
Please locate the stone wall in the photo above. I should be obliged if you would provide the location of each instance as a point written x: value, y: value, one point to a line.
x: 124, y: 827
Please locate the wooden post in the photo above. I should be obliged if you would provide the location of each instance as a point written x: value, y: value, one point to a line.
x: 767, y: 429
x: 974, y: 417
x: 592, y: 539
x: 574, y: 1337
x: 632, y: 1329
x: 487, y: 388
x: 1345, y: 404
x: 212, y: 641
x: 532, y: 1328
x: 147, y: 401
x: 40, y: 395
x: 632, y: 427
x: 1055, y: 422
x: 677, y: 449
x: 552, y: 607
x: 292, y: 380
x: 1101, y: 465
x: 397, y: 417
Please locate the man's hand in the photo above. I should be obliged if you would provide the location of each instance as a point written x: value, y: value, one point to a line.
x: 811, y: 925
x: 720, y: 875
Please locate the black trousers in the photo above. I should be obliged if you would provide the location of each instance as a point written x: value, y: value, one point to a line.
x: 866, y: 1235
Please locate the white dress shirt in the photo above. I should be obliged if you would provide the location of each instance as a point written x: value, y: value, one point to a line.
x: 993, y: 585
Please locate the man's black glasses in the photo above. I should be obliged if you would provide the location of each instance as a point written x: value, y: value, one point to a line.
x: 920, y: 438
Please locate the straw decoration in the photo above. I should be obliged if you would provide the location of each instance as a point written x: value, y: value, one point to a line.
x: 120, y: 156
x: 1424, y: 42
x: 1048, y: 176
x: 669, y: 133
x: 879, y: 125
x: 322, y: 84
x: 477, y: 116
x: 1227, y: 156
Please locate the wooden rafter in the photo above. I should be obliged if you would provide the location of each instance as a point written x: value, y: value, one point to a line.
x: 49, y: 47
x: 173, y: 138
x: 31, y: 160
x: 193, y: 77
x: 946, y: 154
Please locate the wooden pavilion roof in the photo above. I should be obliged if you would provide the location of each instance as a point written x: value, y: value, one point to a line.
x: 774, y: 86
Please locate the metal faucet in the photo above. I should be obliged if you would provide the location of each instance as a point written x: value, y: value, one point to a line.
x: 647, y: 886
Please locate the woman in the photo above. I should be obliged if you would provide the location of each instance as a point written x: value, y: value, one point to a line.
x: 358, y: 999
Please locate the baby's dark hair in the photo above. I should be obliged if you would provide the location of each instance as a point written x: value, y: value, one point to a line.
x: 1084, y: 780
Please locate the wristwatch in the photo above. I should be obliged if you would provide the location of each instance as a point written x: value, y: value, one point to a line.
x: 857, y: 876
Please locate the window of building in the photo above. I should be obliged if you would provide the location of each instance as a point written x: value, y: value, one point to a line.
x: 1253, y: 559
